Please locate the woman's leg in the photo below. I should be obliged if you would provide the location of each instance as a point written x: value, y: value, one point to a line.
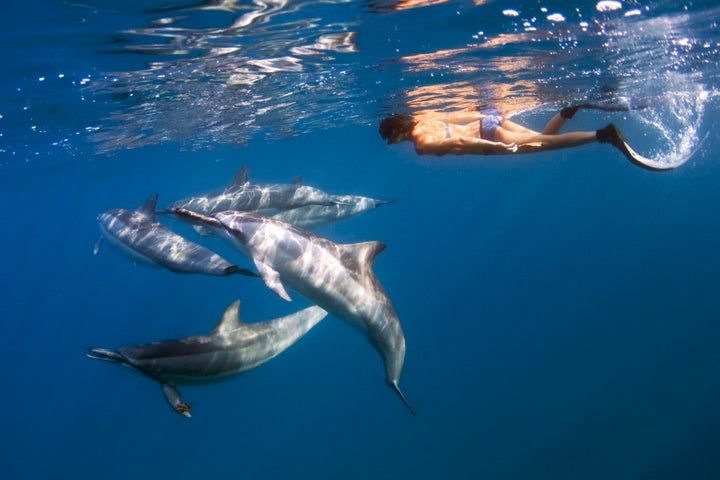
x: 549, y: 142
x: 514, y: 127
x: 556, y: 122
x: 554, y: 125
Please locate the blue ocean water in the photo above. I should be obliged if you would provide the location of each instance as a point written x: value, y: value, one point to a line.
x: 560, y: 309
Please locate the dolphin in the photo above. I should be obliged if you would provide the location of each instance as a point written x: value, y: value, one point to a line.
x: 336, y: 277
x: 140, y: 236
x: 232, y: 347
x: 277, y: 199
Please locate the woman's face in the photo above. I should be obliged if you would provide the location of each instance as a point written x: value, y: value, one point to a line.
x: 396, y: 137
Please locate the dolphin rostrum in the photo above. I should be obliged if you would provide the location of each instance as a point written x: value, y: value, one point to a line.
x: 310, y: 206
x: 140, y: 236
x: 336, y: 277
x: 231, y: 348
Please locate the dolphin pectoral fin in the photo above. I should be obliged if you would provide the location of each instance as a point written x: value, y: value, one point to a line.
x: 271, y: 277
x: 96, y: 248
x: 173, y: 398
x: 395, y: 387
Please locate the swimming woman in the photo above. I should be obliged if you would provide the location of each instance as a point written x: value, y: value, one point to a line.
x: 487, y: 132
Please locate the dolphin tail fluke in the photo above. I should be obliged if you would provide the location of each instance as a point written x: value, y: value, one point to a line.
x: 395, y: 387
x: 106, y: 355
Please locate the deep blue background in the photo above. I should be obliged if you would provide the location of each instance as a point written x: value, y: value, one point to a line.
x: 560, y: 309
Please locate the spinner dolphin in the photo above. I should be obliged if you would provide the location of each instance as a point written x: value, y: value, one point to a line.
x: 138, y: 234
x: 301, y: 205
x: 231, y: 348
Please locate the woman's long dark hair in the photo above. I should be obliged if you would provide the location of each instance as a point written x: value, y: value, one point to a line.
x: 394, y: 125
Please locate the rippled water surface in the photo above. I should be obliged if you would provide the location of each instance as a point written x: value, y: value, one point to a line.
x: 560, y: 309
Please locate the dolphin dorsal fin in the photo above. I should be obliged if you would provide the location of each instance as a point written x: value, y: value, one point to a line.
x: 365, y: 252
x: 230, y: 319
x: 148, y: 208
x: 240, y: 178
x: 297, y: 181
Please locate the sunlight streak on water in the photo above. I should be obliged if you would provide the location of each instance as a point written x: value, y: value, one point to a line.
x: 268, y: 73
